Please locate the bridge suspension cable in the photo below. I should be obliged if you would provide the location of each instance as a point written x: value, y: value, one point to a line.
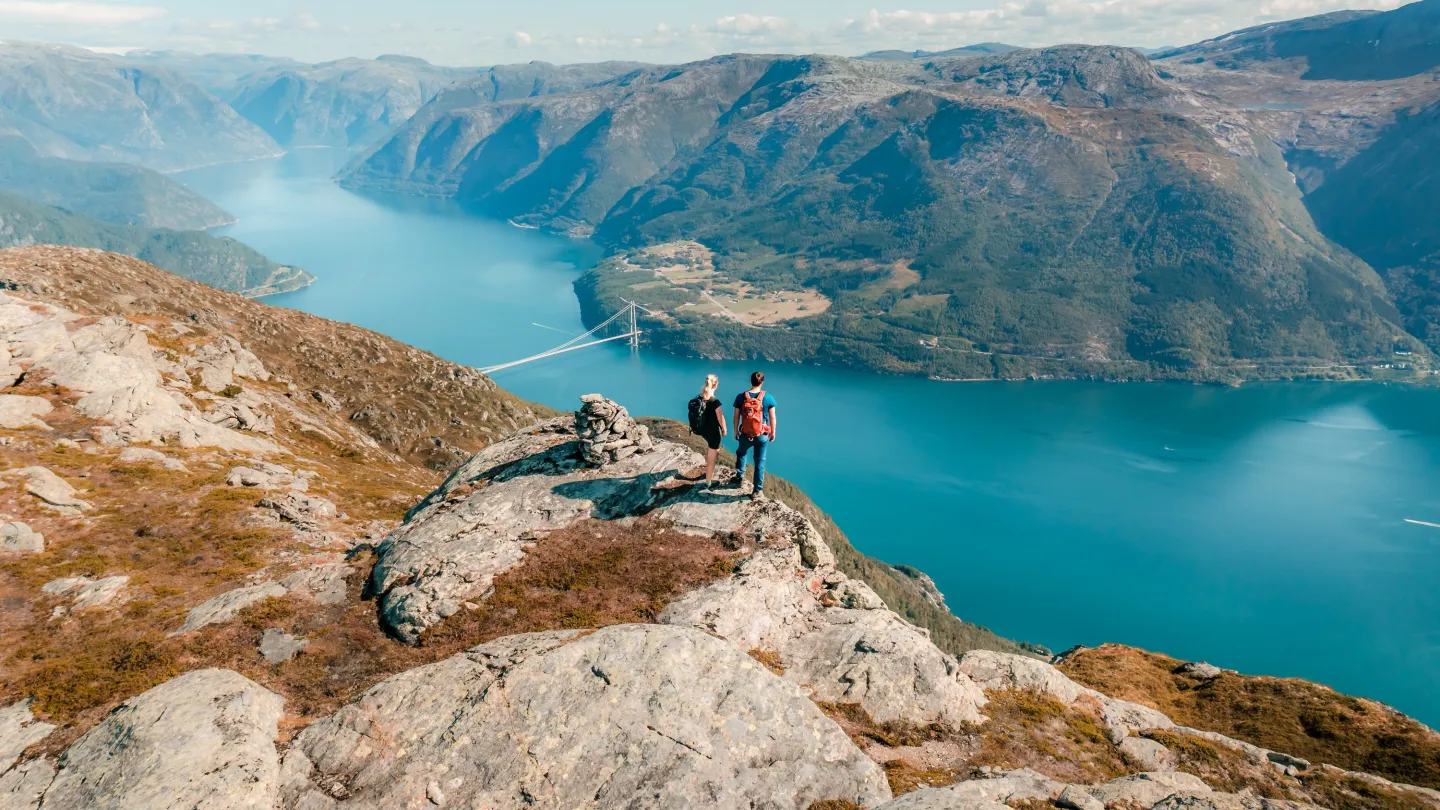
x: 631, y: 321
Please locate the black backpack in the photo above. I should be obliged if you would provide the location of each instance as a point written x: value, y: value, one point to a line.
x: 697, y: 415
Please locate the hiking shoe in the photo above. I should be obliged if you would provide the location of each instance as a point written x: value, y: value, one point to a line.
x: 758, y: 495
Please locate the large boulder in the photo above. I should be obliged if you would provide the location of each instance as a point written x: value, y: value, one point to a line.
x: 17, y: 536
x: 997, y: 670
x: 203, y: 740
x: 53, y: 491
x: 23, y: 412
x: 450, y: 549
x: 626, y: 716
x: 834, y: 635
x: 19, y: 730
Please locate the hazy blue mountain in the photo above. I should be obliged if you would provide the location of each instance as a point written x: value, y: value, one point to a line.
x: 113, y: 192
x: 1058, y: 214
x: 1345, y: 45
x: 979, y: 49
x: 219, y: 73
x: 346, y: 103
x: 72, y: 103
x: 215, y: 260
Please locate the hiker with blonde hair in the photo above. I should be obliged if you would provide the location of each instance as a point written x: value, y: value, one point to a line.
x: 708, y: 420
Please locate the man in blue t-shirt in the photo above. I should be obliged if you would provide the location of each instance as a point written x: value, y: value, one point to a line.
x: 755, y: 427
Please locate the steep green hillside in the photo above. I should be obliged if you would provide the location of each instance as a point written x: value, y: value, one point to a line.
x: 1352, y: 100
x: 112, y: 192
x: 1029, y: 213
x: 215, y: 260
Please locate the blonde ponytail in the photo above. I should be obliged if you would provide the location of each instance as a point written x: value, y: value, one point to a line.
x: 712, y: 384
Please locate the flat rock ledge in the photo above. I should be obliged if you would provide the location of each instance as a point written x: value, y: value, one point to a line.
x: 204, y: 739
x: 833, y: 634
x: 1141, y: 791
x: 626, y: 716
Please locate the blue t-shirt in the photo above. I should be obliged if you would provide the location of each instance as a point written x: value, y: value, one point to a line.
x: 764, y: 406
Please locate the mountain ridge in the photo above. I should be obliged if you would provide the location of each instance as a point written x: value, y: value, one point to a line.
x: 788, y: 168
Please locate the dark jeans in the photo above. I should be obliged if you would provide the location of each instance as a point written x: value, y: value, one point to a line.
x: 758, y: 444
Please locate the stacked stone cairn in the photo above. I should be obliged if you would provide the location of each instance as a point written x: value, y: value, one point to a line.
x: 607, y: 433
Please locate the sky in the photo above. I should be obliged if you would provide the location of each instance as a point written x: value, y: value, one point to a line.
x: 486, y: 32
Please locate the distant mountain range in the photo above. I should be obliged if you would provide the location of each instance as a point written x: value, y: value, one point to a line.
x: 1217, y: 211
x: 118, y: 193
x: 980, y: 49
x: 72, y: 103
x: 218, y: 261
x: 1065, y: 211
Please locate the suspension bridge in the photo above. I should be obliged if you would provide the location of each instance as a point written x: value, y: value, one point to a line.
x: 626, y: 319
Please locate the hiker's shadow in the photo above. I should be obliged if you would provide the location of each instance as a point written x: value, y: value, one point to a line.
x: 637, y: 495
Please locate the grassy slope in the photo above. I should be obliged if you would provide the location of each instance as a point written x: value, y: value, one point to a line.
x: 902, y: 592
x: 1282, y: 714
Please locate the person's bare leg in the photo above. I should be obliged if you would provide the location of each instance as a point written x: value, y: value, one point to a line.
x: 710, y: 466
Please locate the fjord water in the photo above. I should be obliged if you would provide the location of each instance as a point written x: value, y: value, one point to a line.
x: 1262, y: 528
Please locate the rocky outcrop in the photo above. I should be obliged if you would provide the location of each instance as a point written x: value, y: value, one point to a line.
x: 607, y: 433
x: 278, y: 646
x: 53, y: 491
x: 833, y: 634
x: 1141, y: 791
x: 997, y: 670
x: 120, y: 379
x: 202, y: 740
x: 569, y: 719
x: 87, y: 594
x: 17, y: 536
x: 19, y: 730
x: 325, y: 583
x: 21, y: 411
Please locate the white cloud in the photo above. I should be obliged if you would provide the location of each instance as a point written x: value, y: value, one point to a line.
x: 520, y: 39
x: 65, y: 13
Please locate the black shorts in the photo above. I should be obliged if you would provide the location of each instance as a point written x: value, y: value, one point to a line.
x: 712, y: 437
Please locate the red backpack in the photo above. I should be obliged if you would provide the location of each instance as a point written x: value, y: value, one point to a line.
x: 752, y: 415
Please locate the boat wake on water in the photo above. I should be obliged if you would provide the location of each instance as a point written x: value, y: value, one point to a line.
x: 1423, y: 523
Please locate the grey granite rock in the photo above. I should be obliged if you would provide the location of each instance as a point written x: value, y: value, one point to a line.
x: 19, y: 730
x: 18, y: 411
x: 22, y: 787
x: 278, y: 646
x: 1147, y: 754
x: 202, y: 740
x: 1147, y: 789
x: 997, y: 670
x: 325, y: 583
x: 982, y: 794
x: 228, y: 605
x: 450, y: 550
x: 1200, y: 669
x: 667, y: 717
x: 1077, y: 798
x: 53, y: 491
x: 844, y: 654
x: 17, y: 536
x: 99, y: 593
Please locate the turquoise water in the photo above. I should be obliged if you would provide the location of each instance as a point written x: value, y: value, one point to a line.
x: 1262, y: 529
